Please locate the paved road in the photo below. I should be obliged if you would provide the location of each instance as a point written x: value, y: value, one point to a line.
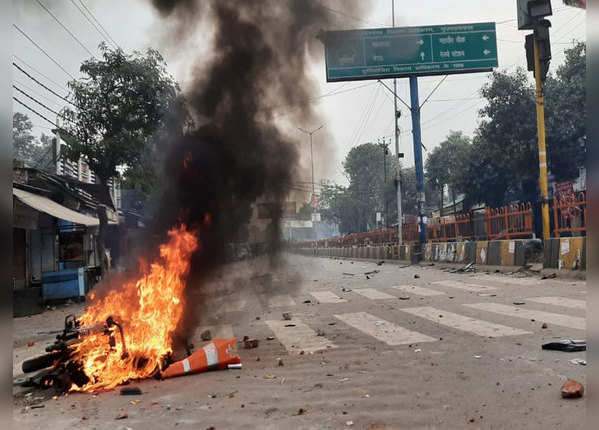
x: 441, y: 351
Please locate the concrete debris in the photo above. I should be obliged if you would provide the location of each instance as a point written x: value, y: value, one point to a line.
x: 301, y: 411
x: 270, y: 338
x: 380, y: 263
x: 578, y: 361
x: 544, y: 325
x: 349, y: 423
x: 319, y: 332
x: 250, y: 343
x: 206, y: 335
x: 416, y: 276
x: 286, y: 316
x: 121, y: 416
x: 572, y: 389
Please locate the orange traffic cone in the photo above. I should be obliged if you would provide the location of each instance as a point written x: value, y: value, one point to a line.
x: 216, y: 355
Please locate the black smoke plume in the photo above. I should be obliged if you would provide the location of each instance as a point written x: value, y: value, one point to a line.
x: 237, y: 153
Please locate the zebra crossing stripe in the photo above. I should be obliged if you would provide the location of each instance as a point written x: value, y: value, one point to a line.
x: 541, y: 316
x: 525, y: 282
x: 560, y: 301
x: 280, y: 301
x: 327, y: 297
x: 419, y: 291
x: 464, y: 323
x: 371, y: 293
x: 298, y: 337
x: 385, y: 331
x: 464, y: 286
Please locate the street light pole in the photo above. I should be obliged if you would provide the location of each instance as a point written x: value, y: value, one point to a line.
x: 398, y: 175
x: 310, y: 133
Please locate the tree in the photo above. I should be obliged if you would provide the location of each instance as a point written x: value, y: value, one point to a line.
x: 121, y: 102
x: 566, y: 115
x: 446, y: 163
x: 26, y: 147
x: 22, y: 139
x: 503, y: 160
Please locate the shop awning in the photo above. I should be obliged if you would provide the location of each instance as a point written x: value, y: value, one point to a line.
x: 44, y: 204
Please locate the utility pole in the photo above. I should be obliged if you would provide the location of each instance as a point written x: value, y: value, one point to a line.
x: 385, y: 148
x: 417, y: 137
x: 311, y: 156
x: 531, y: 14
x: 396, y: 116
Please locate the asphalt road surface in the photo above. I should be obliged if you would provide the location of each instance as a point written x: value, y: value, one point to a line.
x: 438, y: 351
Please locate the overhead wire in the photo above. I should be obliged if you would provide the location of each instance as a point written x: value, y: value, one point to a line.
x: 39, y: 73
x: 99, y: 23
x: 42, y: 85
x: 40, y: 103
x: 42, y: 50
x: 64, y: 27
x: 93, y: 24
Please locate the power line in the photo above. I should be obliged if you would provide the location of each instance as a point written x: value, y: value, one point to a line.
x: 42, y: 49
x: 33, y: 110
x: 38, y: 72
x: 89, y: 21
x: 40, y: 103
x: 42, y: 85
x: 64, y: 27
x: 99, y: 23
x: 36, y: 92
x: 431, y: 93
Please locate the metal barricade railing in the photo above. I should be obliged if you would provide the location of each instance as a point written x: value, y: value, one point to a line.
x: 511, y: 221
x: 569, y: 214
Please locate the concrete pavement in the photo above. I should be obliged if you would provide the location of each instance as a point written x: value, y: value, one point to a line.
x: 437, y: 351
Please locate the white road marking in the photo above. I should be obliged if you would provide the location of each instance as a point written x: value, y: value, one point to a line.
x: 419, y: 291
x: 298, y: 338
x: 382, y: 330
x: 508, y: 280
x: 280, y: 301
x: 371, y: 293
x: 540, y: 316
x: 464, y: 323
x: 560, y: 301
x: 464, y: 286
x: 327, y: 297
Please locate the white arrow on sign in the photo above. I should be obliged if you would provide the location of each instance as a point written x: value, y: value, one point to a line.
x: 486, y: 52
x: 420, y: 42
x: 485, y: 37
x: 422, y: 55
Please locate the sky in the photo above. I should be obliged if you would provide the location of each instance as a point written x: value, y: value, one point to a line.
x: 352, y: 112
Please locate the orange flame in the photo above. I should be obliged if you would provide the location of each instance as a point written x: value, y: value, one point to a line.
x: 149, y: 310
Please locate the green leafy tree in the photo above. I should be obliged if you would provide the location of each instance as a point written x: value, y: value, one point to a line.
x: 446, y: 163
x: 565, y: 95
x: 503, y: 160
x: 25, y: 145
x: 122, y: 101
x: 22, y: 138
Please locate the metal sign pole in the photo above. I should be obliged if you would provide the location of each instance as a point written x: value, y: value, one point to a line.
x: 398, y: 175
x: 415, y: 108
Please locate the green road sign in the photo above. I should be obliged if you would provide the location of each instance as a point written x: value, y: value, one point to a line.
x: 410, y: 51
